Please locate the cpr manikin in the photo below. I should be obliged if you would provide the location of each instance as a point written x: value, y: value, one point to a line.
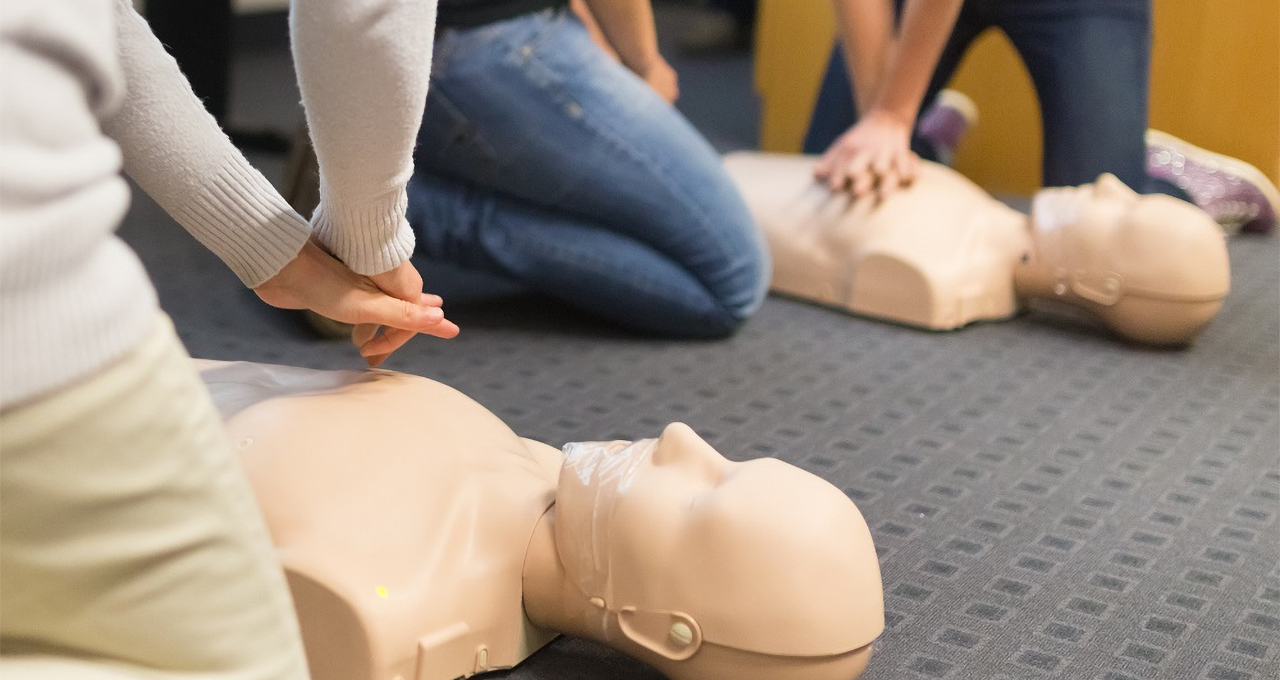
x: 942, y: 253
x: 424, y: 540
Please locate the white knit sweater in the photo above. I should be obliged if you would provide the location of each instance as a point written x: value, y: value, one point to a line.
x: 86, y: 90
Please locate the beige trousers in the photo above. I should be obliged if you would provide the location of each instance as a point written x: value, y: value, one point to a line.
x: 130, y: 542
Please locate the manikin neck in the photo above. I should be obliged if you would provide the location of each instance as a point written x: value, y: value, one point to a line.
x: 551, y: 600
x: 1034, y: 278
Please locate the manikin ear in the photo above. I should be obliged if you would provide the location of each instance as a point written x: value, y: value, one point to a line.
x: 672, y: 635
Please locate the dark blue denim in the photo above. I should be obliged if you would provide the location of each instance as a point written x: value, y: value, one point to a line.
x: 1089, y: 61
x: 542, y: 159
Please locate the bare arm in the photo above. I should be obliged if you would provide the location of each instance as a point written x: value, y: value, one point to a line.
x: 875, y: 156
x: 866, y: 33
x: 583, y: 12
x: 628, y: 27
x: 926, y: 25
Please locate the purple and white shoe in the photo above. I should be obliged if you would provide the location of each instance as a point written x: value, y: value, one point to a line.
x: 945, y: 122
x: 1237, y: 195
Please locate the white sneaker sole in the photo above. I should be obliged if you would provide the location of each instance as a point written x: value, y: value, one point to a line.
x: 1246, y: 171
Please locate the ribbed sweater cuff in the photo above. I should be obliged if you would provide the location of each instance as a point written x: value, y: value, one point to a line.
x: 371, y: 237
x: 241, y: 217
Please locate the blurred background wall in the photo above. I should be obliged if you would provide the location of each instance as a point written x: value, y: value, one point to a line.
x: 1215, y: 81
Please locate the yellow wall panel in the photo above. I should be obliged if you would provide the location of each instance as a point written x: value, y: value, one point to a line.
x: 793, y: 42
x: 1216, y: 76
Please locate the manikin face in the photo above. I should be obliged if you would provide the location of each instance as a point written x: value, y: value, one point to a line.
x: 757, y: 556
x: 1087, y: 211
x: 1154, y: 268
x: 1107, y: 241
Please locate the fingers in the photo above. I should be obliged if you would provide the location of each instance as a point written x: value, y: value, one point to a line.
x: 873, y: 158
x: 909, y: 165
x: 386, y: 324
x: 377, y: 341
x: 861, y: 172
x: 845, y: 168
x: 376, y: 350
x: 888, y: 176
x: 403, y: 281
x: 364, y: 332
x: 399, y: 314
x: 834, y: 160
x: 884, y: 175
x: 395, y: 313
x: 394, y: 299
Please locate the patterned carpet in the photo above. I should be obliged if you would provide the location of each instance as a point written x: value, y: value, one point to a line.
x: 1047, y: 501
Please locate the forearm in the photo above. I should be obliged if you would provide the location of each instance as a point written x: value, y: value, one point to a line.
x: 176, y: 152
x: 866, y: 35
x: 924, y: 29
x: 588, y: 20
x: 363, y: 68
x: 628, y: 27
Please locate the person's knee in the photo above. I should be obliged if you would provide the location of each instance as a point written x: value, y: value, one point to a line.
x: 741, y: 292
x: 713, y: 325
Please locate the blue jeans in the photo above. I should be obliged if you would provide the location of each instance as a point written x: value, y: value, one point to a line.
x: 1090, y: 63
x: 543, y: 160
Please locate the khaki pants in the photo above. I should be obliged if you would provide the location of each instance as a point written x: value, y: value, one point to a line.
x: 130, y: 543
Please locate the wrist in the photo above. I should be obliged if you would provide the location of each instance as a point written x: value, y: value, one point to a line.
x: 642, y: 62
x: 370, y: 237
x: 903, y: 116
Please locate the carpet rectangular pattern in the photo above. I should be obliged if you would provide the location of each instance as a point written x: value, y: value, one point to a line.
x: 1047, y: 501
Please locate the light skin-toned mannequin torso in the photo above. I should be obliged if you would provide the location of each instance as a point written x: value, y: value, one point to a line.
x: 942, y: 253
x: 424, y: 540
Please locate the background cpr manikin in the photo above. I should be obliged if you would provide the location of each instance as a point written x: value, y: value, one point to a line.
x: 424, y: 540
x: 943, y: 253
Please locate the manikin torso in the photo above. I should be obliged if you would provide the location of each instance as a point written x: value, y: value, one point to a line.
x: 376, y: 570
x: 938, y: 263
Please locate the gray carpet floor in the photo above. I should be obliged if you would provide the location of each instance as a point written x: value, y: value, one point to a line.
x: 1047, y: 501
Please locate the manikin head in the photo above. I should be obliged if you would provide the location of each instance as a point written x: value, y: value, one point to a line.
x: 709, y: 569
x: 1153, y: 268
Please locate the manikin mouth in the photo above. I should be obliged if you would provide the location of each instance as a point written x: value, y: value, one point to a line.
x: 1051, y: 209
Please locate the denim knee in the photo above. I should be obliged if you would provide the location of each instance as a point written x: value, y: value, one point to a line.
x: 744, y: 286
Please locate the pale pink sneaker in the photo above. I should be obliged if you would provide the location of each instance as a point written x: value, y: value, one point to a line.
x: 1234, y: 193
x: 945, y: 122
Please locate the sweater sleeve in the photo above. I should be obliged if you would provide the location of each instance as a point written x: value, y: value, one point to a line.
x: 363, y: 68
x: 177, y: 153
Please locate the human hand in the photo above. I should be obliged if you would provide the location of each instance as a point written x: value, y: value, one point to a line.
x: 662, y: 78
x: 317, y: 281
x: 377, y: 341
x: 872, y: 157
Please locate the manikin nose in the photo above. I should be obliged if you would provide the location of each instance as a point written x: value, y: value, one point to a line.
x: 680, y: 445
x: 1108, y: 185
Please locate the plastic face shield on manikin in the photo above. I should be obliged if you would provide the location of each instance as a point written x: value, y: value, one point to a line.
x: 680, y: 548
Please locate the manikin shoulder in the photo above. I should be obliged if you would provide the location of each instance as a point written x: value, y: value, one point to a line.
x: 401, y: 511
